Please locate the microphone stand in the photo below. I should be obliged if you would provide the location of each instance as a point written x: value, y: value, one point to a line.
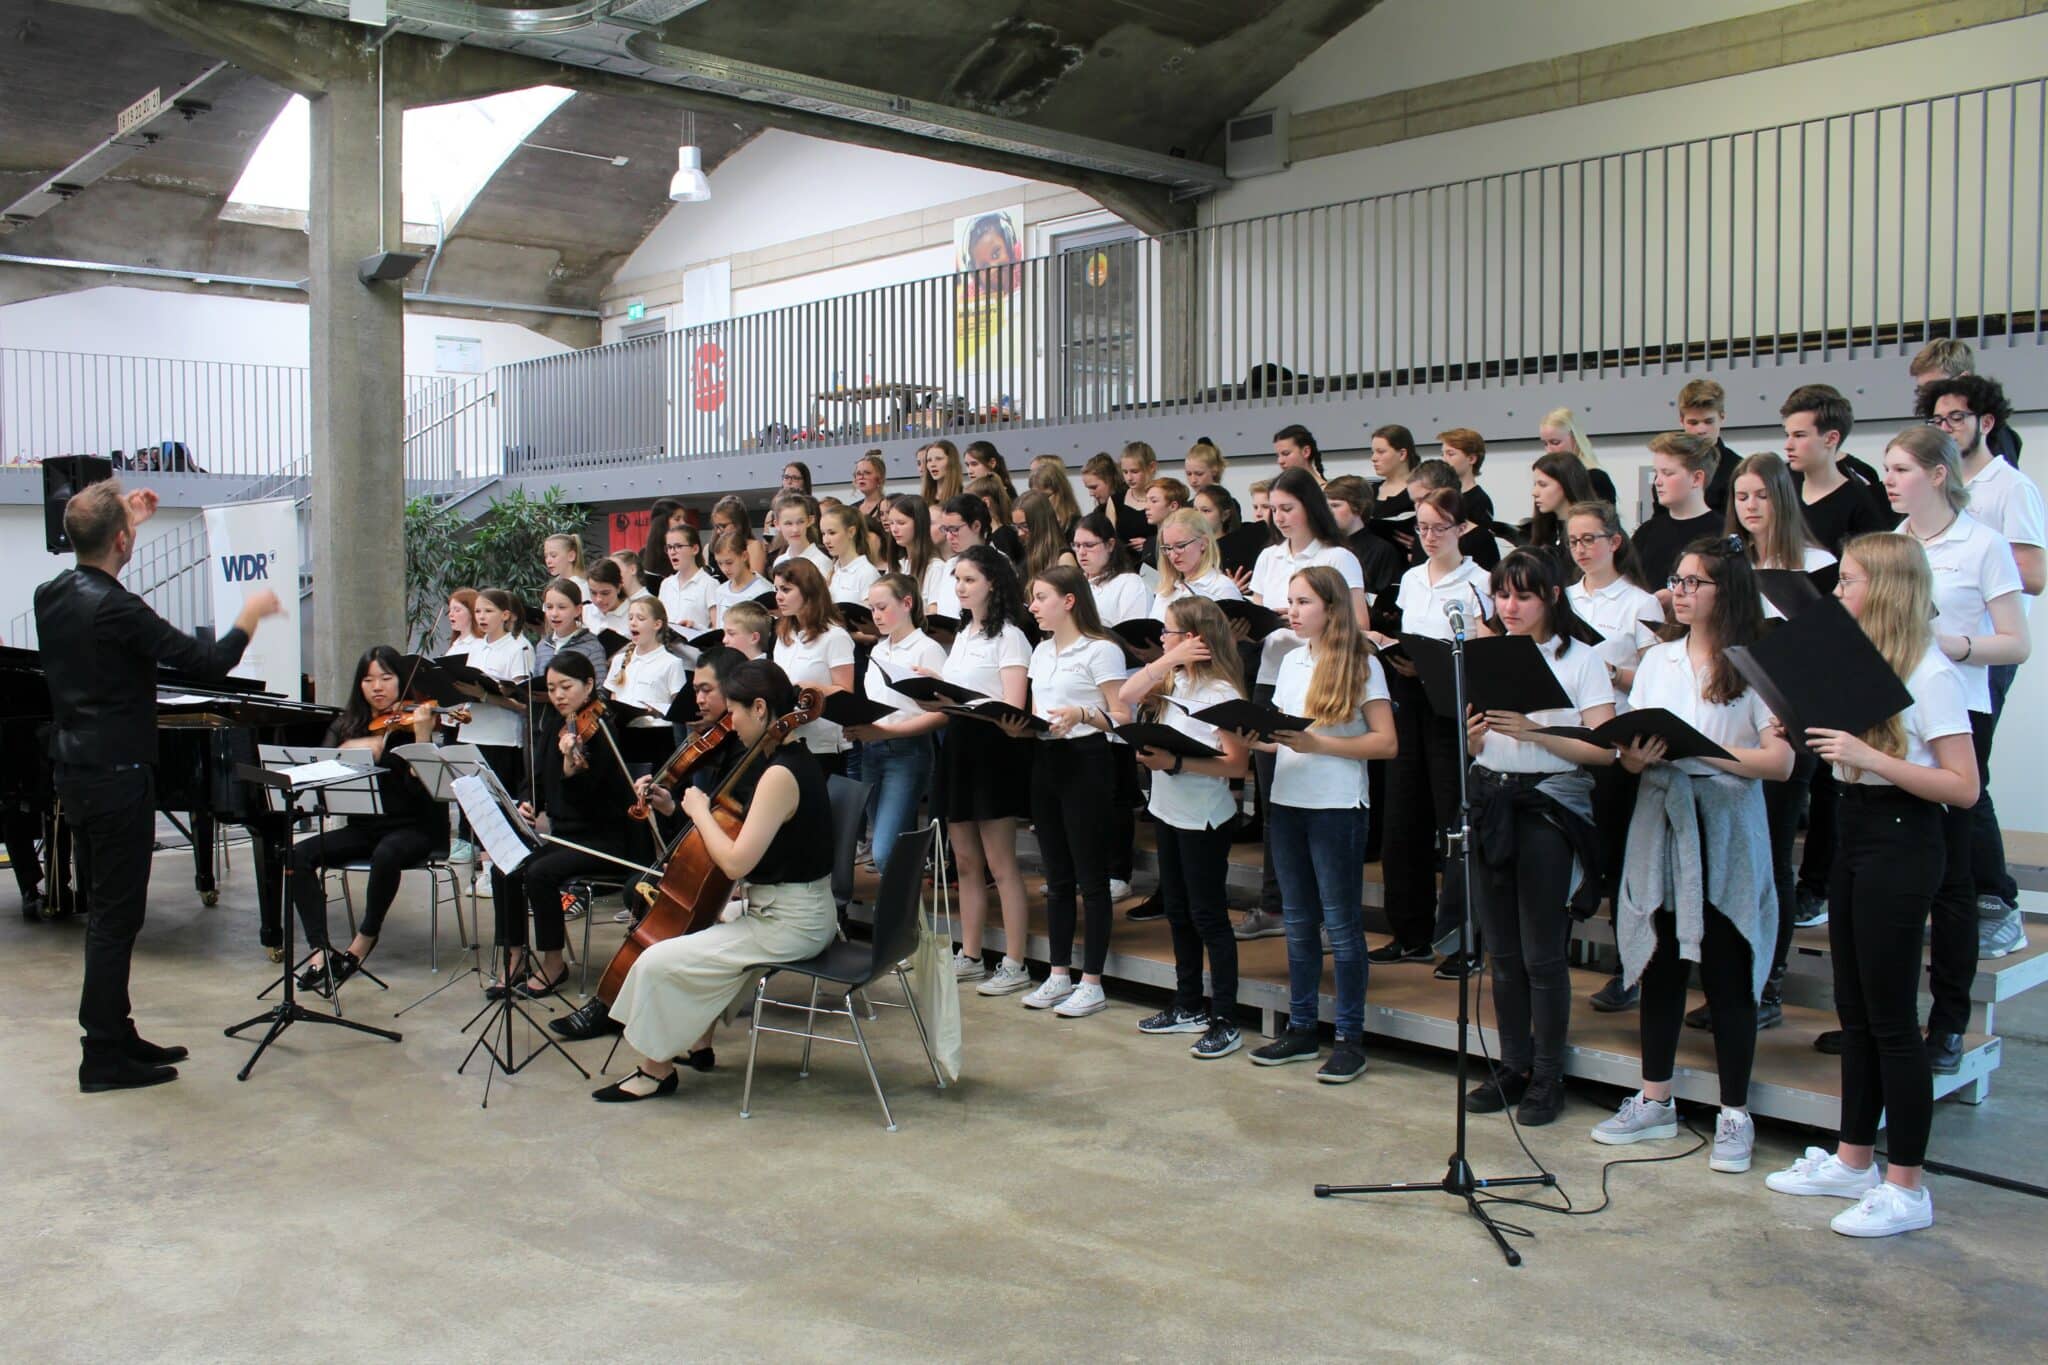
x: 1458, y: 1180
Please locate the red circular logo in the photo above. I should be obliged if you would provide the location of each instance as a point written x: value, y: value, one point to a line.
x: 707, y: 377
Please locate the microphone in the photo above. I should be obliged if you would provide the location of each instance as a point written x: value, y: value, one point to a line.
x: 1454, y: 612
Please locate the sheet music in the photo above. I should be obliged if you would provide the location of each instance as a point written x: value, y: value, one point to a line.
x: 326, y: 770
x: 493, y: 826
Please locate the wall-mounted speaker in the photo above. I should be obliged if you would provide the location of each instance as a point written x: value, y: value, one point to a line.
x: 64, y: 477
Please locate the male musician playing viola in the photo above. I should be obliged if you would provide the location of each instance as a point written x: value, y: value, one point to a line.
x: 101, y: 645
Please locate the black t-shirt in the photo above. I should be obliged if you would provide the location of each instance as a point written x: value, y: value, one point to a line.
x: 1723, y: 475
x: 1603, y: 487
x: 1843, y: 515
x: 1477, y: 506
x: 1378, y: 561
x: 1660, y: 542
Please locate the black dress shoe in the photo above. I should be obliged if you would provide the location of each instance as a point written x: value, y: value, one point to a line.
x: 32, y: 906
x: 616, y: 1093
x: 703, y: 1059
x: 524, y: 991
x: 1497, y: 1092
x: 1829, y: 1042
x: 119, y: 1072
x: 149, y: 1054
x: 346, y: 965
x: 1614, y: 997
x: 314, y: 978
x: 591, y: 1019
x: 1945, y: 1052
x: 1770, y: 1011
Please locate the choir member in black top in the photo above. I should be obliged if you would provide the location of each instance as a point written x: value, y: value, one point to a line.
x: 1841, y: 495
x: 1679, y: 466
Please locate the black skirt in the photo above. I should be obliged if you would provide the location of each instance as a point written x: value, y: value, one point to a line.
x: 983, y: 774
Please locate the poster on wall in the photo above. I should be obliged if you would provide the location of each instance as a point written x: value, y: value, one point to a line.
x: 987, y: 249
x: 251, y: 546
x: 627, y: 531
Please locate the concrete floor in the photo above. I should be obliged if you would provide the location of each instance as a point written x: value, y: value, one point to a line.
x: 1087, y: 1191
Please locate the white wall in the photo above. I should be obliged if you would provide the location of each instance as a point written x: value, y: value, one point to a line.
x: 174, y: 326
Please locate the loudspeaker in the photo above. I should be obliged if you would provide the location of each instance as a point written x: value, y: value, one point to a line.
x: 65, y: 477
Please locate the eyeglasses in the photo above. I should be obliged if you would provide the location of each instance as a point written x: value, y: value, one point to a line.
x: 1430, y: 530
x: 1952, y: 421
x: 1169, y: 630
x: 1583, y: 542
x: 1849, y: 581
x: 1687, y: 586
x: 1176, y: 549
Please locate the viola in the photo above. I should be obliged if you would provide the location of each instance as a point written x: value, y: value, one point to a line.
x: 693, y: 889
x: 679, y: 764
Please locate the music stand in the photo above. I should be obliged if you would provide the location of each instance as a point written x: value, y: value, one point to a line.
x: 438, y: 766
x: 292, y: 783
x: 363, y: 797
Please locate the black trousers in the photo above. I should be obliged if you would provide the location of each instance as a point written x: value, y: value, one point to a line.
x: 24, y: 828
x: 113, y: 821
x: 1262, y: 785
x: 1614, y: 803
x: 541, y: 878
x: 1192, y: 866
x: 1422, y: 797
x: 1725, y: 973
x: 390, y: 846
x: 1130, y: 794
x: 1072, y: 791
x: 1528, y: 931
x: 1988, y: 875
x: 1782, y: 804
x: 1888, y: 865
x: 1952, y: 948
x: 1817, y: 862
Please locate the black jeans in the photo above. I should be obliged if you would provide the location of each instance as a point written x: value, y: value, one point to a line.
x: 1952, y: 948
x: 113, y: 821
x: 541, y: 878
x: 390, y: 847
x: 1888, y: 865
x: 1725, y: 973
x: 1782, y: 803
x: 1528, y: 932
x: 1072, y: 792
x: 1422, y: 799
x: 1130, y: 795
x: 1192, y: 866
x: 1988, y: 872
x: 1817, y: 862
x: 1262, y: 784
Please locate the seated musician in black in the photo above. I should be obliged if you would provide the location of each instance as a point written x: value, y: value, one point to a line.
x: 584, y: 790
x: 412, y: 828
x: 679, y: 987
x: 714, y: 669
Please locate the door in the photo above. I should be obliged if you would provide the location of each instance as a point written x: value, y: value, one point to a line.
x: 1096, y: 300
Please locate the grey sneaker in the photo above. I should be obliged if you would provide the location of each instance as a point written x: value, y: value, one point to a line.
x: 1734, y: 1141
x: 1007, y: 979
x: 2001, y: 936
x: 1258, y: 924
x: 1639, y: 1119
x: 967, y: 968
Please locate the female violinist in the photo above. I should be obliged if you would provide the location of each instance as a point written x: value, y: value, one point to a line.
x: 678, y: 988
x: 583, y: 790
x: 413, y: 825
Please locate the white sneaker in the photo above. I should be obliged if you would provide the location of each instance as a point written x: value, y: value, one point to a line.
x: 462, y: 851
x: 1734, y: 1142
x: 1885, y: 1212
x: 482, y: 885
x: 1085, y: 999
x: 1823, y: 1173
x: 1049, y: 993
x: 967, y: 968
x: 1007, y: 979
x: 1119, y: 889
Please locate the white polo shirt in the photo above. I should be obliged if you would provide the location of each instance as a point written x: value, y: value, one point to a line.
x: 977, y: 659
x: 1973, y: 567
x: 689, y: 603
x: 939, y: 592
x: 1422, y: 602
x: 1666, y: 678
x: 1214, y: 585
x: 1938, y: 710
x: 509, y: 658
x: 901, y: 659
x: 1626, y: 615
x: 1073, y: 676
x: 1274, y: 569
x: 1123, y: 598
x: 1583, y: 675
x: 2009, y: 503
x: 1320, y: 781
x: 809, y: 662
x: 818, y: 558
x: 1190, y: 800
x: 650, y: 680
x: 849, y: 582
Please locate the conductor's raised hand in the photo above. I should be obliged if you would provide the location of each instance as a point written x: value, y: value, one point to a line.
x: 257, y: 606
x: 141, y: 506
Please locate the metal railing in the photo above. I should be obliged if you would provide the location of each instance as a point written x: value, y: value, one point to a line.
x: 1849, y: 235
x: 167, y: 571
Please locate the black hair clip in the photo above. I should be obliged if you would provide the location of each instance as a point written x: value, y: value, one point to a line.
x: 1732, y: 544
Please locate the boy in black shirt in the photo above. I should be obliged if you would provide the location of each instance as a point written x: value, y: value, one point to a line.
x: 1702, y: 408
x: 1842, y: 497
x: 1680, y: 465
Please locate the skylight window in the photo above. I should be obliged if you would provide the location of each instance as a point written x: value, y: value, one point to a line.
x: 450, y: 152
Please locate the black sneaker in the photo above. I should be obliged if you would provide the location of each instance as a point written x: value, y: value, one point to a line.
x: 1456, y: 965
x: 1829, y: 1042
x: 1397, y: 952
x: 1703, y: 1017
x: 1346, y: 1064
x: 1221, y: 1040
x: 1288, y: 1047
x: 1945, y: 1052
x: 1542, y: 1104
x: 1496, y: 1092
x: 1150, y: 908
x: 1174, y: 1019
x: 1770, y: 1011
x: 1810, y: 909
x: 1614, y: 997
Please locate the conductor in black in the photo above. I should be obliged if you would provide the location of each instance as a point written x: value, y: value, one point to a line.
x: 101, y: 645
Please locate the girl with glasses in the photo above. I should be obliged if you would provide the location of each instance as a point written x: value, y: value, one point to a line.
x: 1190, y: 563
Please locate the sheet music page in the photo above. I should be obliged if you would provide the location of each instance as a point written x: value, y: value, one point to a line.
x: 493, y: 827
x: 326, y: 770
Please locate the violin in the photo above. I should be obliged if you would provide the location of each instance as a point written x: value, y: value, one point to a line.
x: 679, y: 764
x: 693, y: 889
x: 402, y: 716
x: 586, y: 719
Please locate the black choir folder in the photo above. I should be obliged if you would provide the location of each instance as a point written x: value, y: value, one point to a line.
x: 1820, y: 671
x: 1651, y: 722
x: 918, y: 687
x: 1259, y: 622
x: 1794, y: 591
x: 995, y: 712
x: 1166, y: 740
x: 1502, y: 673
x: 851, y: 708
x: 1246, y: 717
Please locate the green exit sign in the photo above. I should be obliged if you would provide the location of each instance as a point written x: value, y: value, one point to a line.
x: 635, y: 311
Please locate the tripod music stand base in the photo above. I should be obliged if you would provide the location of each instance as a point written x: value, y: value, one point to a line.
x: 286, y: 1013
x: 1458, y: 1182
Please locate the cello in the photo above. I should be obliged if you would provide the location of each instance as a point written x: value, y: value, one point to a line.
x: 693, y: 889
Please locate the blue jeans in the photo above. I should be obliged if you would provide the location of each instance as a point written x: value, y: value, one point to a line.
x: 900, y: 772
x: 1319, y: 856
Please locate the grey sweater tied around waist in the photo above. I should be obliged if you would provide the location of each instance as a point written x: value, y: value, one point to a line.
x: 1676, y: 815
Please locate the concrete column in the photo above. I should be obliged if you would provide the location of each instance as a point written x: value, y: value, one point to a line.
x: 358, y: 455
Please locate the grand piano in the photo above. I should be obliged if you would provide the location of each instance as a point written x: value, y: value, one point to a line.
x: 207, y: 728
